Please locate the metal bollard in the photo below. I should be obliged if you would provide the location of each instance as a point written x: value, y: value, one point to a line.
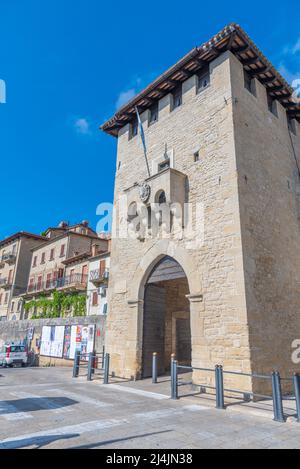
x: 154, y: 368
x: 220, y: 404
x: 90, y: 366
x: 277, y: 397
x: 174, y: 380
x: 297, y: 394
x: 76, y: 364
x: 106, y: 369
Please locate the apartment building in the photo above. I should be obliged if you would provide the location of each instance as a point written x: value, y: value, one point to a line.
x: 97, y: 287
x: 15, y: 261
x: 222, y: 134
x: 62, y: 263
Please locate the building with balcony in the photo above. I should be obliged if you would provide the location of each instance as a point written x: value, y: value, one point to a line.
x: 98, y: 278
x: 15, y: 262
x: 61, y: 264
x: 215, y: 278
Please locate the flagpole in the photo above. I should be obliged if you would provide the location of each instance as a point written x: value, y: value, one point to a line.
x: 143, y: 139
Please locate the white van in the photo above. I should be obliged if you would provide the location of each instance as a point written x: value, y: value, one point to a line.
x: 11, y: 354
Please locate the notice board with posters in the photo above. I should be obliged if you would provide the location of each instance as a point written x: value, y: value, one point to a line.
x: 52, y: 341
x: 79, y: 337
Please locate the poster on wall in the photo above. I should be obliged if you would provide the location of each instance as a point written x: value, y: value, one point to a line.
x: 52, y: 341
x: 67, y: 342
x: 45, y: 341
x: 82, y: 339
x: 58, y: 342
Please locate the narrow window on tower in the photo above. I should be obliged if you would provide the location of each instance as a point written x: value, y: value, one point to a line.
x: 203, y: 80
x: 153, y: 114
x: 249, y: 83
x: 133, y: 129
x: 272, y: 105
x: 177, y: 97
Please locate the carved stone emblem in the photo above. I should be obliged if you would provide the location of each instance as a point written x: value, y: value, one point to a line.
x: 145, y: 191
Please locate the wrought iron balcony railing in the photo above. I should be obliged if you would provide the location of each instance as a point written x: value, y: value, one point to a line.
x: 5, y: 282
x: 74, y: 280
x: 99, y: 277
x: 9, y: 257
x: 70, y: 281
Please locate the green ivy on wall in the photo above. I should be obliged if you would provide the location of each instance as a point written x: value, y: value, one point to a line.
x: 59, y: 305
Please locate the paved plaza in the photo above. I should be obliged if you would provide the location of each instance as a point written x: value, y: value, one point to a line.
x: 47, y: 408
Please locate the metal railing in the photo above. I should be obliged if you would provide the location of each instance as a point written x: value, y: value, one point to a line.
x: 219, y: 372
x: 70, y: 280
x: 8, y: 257
x: 6, y: 282
x: 95, y: 364
x: 96, y: 275
x: 52, y: 284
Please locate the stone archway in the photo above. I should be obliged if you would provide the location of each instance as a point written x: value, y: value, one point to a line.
x: 137, y: 287
x: 166, y: 317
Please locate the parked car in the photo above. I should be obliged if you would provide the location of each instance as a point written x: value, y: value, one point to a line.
x: 11, y: 354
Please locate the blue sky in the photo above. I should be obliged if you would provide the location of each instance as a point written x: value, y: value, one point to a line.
x: 68, y: 64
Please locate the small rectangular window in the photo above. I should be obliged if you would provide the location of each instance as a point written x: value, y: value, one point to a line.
x: 291, y: 125
x: 43, y: 258
x: 153, y: 117
x: 34, y: 261
x: 62, y: 250
x: 249, y: 82
x: 177, y: 97
x: 272, y: 106
x: 51, y: 254
x: 196, y: 156
x: 203, y: 80
x: 95, y: 299
x: 133, y: 129
x: 164, y: 164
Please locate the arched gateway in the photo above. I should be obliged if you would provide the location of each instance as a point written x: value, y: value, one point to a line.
x: 166, y: 316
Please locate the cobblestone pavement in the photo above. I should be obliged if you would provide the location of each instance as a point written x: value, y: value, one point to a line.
x: 46, y: 408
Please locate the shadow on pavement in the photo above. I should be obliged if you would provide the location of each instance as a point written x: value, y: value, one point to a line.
x: 117, y: 440
x: 38, y: 442
x: 33, y: 404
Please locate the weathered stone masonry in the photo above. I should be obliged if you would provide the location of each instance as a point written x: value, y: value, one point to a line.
x: 243, y: 281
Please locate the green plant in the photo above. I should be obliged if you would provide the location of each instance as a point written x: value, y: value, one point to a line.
x: 59, y: 305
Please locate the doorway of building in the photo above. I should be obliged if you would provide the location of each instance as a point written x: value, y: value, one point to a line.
x: 166, y: 321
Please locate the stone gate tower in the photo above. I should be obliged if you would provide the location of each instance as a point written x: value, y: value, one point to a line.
x: 222, y: 141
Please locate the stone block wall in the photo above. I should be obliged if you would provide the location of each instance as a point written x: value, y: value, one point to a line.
x: 18, y: 331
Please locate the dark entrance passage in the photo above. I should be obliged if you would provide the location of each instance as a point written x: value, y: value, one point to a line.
x: 166, y: 325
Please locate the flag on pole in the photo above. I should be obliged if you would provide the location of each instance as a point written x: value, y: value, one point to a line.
x: 142, y: 134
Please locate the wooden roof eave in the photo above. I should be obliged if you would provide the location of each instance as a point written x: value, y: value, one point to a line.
x: 234, y: 39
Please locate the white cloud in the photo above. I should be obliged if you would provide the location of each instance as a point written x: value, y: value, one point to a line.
x: 82, y: 126
x: 124, y: 97
x: 296, y: 47
x: 292, y: 49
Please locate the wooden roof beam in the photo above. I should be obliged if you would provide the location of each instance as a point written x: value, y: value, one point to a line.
x: 275, y: 88
x: 260, y: 70
x: 200, y: 62
x: 251, y: 61
x: 268, y: 79
x: 289, y: 104
x: 242, y: 49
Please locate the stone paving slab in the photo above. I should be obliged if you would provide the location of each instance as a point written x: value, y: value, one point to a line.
x: 56, y: 411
